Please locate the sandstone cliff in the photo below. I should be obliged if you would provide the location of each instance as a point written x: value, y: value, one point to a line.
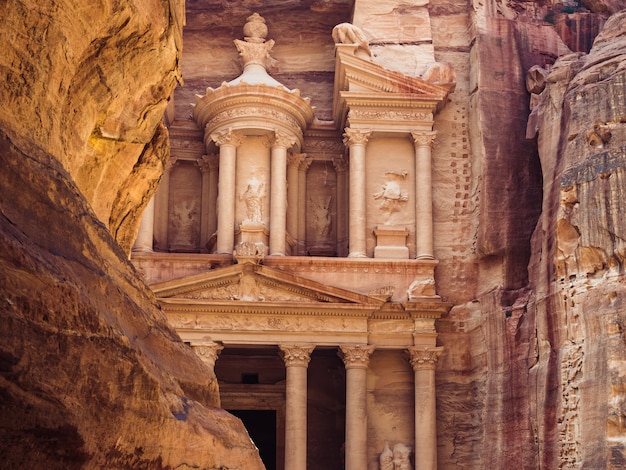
x: 535, y: 366
x: 91, y: 376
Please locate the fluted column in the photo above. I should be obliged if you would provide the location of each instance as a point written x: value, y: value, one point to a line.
x: 424, y: 362
x: 304, y: 167
x: 293, y: 163
x: 356, y: 359
x: 423, y: 194
x: 278, y: 194
x: 145, y: 236
x: 357, y: 139
x: 228, y: 141
x: 341, y: 168
x: 161, y: 207
x: 296, y: 357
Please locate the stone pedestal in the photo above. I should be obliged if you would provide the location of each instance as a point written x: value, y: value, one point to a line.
x: 391, y: 242
x: 255, y: 233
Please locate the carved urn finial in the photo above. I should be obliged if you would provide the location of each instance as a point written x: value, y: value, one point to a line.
x: 255, y: 30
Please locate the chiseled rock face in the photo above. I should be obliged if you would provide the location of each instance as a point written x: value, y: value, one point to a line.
x: 91, y: 375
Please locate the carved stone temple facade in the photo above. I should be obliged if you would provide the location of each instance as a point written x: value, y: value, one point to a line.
x: 295, y: 254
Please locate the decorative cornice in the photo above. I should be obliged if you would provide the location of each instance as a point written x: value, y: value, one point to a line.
x: 296, y: 355
x: 357, y: 356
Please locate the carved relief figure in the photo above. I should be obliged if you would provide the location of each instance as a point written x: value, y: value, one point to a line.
x: 397, y: 459
x: 254, y: 196
x: 386, y: 458
x: 391, y: 194
x: 321, y: 218
x: 183, y: 221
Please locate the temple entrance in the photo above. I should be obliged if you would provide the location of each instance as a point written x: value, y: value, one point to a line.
x: 261, y: 425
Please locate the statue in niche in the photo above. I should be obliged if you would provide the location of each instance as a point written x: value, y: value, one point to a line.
x: 391, y: 194
x: 321, y: 218
x: 183, y: 220
x: 254, y: 196
x: 386, y: 458
x: 397, y: 459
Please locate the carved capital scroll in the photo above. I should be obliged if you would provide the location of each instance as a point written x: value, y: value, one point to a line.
x: 341, y: 166
x: 357, y: 356
x: 208, y: 352
x: 170, y: 163
x: 423, y: 138
x: 356, y: 136
x: 282, y: 139
x: 295, y: 159
x: 305, y: 164
x: 227, y: 137
x: 297, y: 355
x: 208, y: 163
x: 424, y: 358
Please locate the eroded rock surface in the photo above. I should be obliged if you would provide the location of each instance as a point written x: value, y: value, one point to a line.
x: 91, y: 376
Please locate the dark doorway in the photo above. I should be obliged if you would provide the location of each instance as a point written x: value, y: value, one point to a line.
x: 261, y: 425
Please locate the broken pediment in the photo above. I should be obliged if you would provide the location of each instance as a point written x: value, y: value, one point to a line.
x: 375, y: 93
x: 249, y: 282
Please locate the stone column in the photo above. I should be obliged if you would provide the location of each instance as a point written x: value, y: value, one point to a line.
x: 214, y: 162
x: 341, y: 168
x: 143, y: 243
x: 228, y: 141
x: 356, y: 359
x: 278, y: 192
x: 424, y: 361
x: 293, y: 163
x: 205, y: 168
x: 357, y: 141
x: 304, y: 167
x: 161, y: 207
x: 423, y: 194
x: 208, y: 353
x: 296, y: 359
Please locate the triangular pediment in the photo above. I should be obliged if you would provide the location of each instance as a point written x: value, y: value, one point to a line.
x: 249, y: 282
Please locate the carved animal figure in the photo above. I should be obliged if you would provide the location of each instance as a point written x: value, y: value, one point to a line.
x: 347, y: 33
x: 401, y: 457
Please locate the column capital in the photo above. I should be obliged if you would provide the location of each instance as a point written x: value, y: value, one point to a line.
x: 295, y: 159
x: 170, y: 163
x: 356, y: 136
x: 424, y: 358
x: 305, y: 164
x: 340, y: 164
x: 208, y: 352
x: 227, y: 136
x: 296, y: 354
x: 207, y: 163
x: 283, y: 139
x: 356, y: 356
x: 423, y: 138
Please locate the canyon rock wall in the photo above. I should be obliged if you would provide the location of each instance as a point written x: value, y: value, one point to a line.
x: 91, y: 375
x: 533, y: 376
